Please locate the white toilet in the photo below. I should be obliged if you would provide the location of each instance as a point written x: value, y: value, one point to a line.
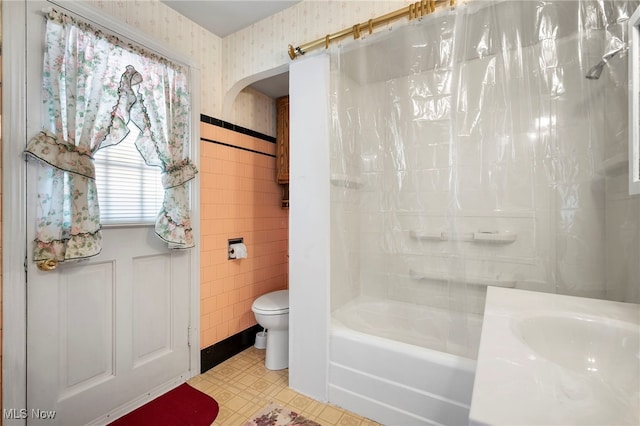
x: 272, y: 312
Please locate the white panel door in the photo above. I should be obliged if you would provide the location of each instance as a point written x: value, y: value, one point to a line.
x: 106, y: 333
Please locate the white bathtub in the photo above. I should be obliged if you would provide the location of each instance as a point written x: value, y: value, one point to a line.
x: 409, y: 382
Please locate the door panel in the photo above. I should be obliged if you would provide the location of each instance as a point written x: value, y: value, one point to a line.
x: 86, y: 336
x: 151, y: 308
x: 108, y: 330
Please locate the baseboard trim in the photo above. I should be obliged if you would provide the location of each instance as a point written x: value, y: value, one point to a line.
x: 138, y: 402
x: 225, y: 349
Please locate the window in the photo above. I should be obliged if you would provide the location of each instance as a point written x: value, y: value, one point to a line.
x: 129, y: 191
x: 87, y: 109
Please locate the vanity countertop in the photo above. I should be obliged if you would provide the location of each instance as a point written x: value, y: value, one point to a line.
x: 548, y: 359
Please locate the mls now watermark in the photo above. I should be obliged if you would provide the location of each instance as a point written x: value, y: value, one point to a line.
x: 23, y: 413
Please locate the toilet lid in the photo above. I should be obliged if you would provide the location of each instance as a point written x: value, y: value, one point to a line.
x: 276, y: 302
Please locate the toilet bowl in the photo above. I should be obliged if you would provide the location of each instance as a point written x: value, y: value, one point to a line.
x: 272, y: 312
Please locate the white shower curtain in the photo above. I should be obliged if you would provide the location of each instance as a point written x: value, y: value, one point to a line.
x: 469, y: 150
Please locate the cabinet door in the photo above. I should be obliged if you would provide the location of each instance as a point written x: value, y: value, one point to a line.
x: 282, y: 140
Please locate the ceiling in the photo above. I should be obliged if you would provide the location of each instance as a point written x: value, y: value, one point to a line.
x: 274, y: 87
x: 226, y: 17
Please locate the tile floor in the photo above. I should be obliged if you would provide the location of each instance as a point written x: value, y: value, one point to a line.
x: 243, y: 387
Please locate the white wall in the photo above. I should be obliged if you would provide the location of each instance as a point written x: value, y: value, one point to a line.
x: 309, y: 227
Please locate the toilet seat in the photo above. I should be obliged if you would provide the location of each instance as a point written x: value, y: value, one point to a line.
x: 274, y: 303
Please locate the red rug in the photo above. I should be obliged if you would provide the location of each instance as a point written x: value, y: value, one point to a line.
x: 182, y: 406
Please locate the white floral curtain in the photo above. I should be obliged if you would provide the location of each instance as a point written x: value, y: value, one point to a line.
x: 93, y: 85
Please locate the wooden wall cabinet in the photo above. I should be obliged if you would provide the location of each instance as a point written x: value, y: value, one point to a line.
x: 282, y: 140
x: 282, y: 147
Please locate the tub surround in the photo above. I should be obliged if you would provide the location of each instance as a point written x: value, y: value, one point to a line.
x: 556, y: 360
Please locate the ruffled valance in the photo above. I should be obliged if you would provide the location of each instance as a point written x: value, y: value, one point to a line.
x: 73, y: 247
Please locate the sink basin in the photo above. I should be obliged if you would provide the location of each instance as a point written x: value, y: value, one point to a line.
x: 555, y: 360
x: 606, y: 349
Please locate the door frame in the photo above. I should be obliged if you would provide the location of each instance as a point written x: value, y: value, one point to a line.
x: 14, y: 189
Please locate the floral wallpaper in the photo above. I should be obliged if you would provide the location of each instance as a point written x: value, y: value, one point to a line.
x: 263, y: 46
x: 182, y: 35
x: 254, y: 110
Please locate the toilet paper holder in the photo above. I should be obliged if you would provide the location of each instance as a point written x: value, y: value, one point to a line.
x: 230, y: 252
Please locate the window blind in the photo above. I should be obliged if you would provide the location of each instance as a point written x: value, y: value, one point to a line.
x: 129, y: 191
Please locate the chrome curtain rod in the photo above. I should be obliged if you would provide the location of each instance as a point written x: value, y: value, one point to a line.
x: 414, y: 10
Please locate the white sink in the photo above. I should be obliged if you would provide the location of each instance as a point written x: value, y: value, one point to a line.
x: 547, y: 359
x: 604, y: 349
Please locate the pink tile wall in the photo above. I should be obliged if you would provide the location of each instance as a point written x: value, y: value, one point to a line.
x: 240, y: 198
